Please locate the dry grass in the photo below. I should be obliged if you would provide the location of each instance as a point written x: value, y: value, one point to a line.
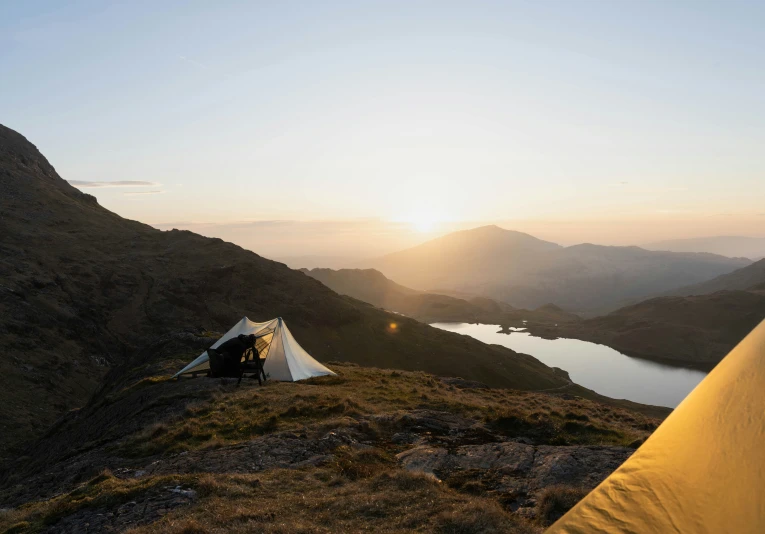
x: 361, y: 489
x: 313, y: 500
x: 103, y: 491
x: 238, y: 414
x: 555, y: 501
x: 317, y: 501
x: 479, y: 518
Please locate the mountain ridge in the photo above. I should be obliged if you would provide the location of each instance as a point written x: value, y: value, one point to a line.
x: 740, y: 279
x: 731, y: 246
x: 527, y: 272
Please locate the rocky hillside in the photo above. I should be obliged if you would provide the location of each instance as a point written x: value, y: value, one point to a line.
x: 527, y: 272
x: 372, y: 286
x: 81, y: 289
x: 335, y: 454
x: 694, y: 330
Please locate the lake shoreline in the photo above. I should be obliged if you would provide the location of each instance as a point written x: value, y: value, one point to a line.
x: 569, y: 331
x: 596, y: 367
x: 548, y: 332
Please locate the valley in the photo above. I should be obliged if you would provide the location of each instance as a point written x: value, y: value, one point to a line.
x: 372, y: 286
x: 693, y: 331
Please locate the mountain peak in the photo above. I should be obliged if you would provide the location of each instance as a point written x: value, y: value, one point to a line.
x: 27, y: 176
x: 488, y: 228
x: 489, y: 237
x: 496, y: 230
x: 16, y: 150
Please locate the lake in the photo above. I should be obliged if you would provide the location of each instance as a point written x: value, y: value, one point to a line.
x: 596, y: 367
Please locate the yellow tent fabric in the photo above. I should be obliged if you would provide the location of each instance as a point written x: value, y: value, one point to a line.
x: 702, y: 471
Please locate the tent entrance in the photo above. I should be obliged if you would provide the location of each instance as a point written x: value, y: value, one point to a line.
x: 263, y: 343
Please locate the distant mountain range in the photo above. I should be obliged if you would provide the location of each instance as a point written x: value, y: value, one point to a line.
x: 731, y: 246
x: 372, y: 286
x: 527, y: 272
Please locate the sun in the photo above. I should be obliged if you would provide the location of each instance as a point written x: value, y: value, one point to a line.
x: 423, y: 225
x: 421, y: 219
x: 423, y: 222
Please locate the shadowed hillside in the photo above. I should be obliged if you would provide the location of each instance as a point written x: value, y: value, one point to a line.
x: 694, y: 330
x: 372, y: 286
x: 695, y: 325
x: 527, y: 272
x: 81, y: 289
x: 741, y: 279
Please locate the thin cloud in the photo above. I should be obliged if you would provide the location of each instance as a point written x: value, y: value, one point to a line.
x: 130, y: 193
x: 627, y: 188
x: 83, y: 184
x: 192, y: 61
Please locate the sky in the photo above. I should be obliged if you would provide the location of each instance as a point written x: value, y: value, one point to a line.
x: 356, y: 128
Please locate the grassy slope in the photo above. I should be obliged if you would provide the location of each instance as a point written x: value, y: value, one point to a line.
x: 143, y: 422
x: 234, y: 416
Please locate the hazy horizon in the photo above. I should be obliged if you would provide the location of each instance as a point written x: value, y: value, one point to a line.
x: 347, y: 129
x: 340, y: 244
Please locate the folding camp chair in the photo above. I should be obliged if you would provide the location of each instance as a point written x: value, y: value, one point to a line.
x: 255, y: 365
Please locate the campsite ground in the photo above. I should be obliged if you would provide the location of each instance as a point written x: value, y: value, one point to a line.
x: 367, y: 450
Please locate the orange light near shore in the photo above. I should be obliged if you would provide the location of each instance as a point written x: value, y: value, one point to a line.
x: 393, y: 326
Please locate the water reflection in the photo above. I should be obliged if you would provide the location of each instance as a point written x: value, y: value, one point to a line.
x: 596, y: 367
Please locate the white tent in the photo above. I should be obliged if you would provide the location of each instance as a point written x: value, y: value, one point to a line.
x: 702, y: 471
x: 286, y: 360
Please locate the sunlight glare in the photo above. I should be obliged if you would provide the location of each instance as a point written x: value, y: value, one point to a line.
x: 423, y: 225
x: 423, y: 222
